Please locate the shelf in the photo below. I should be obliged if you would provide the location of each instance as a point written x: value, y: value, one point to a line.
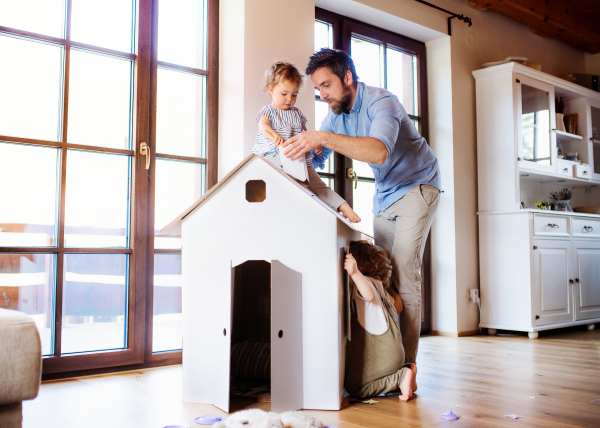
x: 572, y: 162
x: 565, y: 137
x: 525, y: 174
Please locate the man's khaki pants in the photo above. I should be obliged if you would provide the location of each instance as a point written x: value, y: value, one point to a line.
x: 402, y: 229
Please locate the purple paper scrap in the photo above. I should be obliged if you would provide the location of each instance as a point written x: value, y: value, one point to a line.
x: 513, y: 416
x: 208, y: 419
x: 449, y: 416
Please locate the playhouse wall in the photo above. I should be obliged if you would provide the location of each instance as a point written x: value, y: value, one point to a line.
x: 287, y: 226
x: 345, y: 234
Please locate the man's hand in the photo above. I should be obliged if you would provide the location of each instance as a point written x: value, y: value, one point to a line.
x: 303, y: 143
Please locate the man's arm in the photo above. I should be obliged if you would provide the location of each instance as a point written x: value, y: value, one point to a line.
x: 387, y: 113
x: 365, y: 149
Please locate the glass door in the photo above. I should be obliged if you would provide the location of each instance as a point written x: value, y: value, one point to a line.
x: 535, y: 122
x: 181, y: 147
x: 67, y: 168
x: 107, y: 125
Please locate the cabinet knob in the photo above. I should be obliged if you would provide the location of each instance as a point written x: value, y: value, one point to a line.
x: 577, y: 280
x: 566, y: 169
x: 570, y: 281
x: 553, y: 225
x: 588, y: 228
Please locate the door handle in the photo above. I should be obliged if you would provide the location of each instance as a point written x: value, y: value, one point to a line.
x: 351, y: 174
x: 145, y: 150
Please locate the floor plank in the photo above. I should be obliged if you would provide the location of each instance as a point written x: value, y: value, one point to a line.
x: 552, y: 381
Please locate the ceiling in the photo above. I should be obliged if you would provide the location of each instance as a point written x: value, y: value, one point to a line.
x: 576, y: 22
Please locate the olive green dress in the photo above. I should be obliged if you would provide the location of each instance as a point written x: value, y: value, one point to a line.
x: 374, y: 361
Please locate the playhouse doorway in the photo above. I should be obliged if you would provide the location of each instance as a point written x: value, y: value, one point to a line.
x: 266, y: 334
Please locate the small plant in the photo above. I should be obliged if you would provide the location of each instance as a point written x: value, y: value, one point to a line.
x: 560, y: 103
x: 562, y: 195
x: 543, y: 205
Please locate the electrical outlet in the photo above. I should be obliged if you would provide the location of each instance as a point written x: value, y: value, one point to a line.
x: 473, y: 295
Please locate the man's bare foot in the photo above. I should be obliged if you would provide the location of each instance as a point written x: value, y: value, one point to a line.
x: 413, y: 367
x: 349, y: 213
x: 406, y: 386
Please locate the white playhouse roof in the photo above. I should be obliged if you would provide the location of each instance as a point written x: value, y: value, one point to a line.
x: 175, y: 225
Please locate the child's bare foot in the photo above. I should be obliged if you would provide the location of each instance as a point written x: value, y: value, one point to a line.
x: 406, y: 386
x: 349, y: 213
x: 413, y: 367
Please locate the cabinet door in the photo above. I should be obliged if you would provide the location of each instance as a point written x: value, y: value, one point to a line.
x: 586, y: 273
x: 287, y: 374
x: 535, y: 117
x: 552, y: 292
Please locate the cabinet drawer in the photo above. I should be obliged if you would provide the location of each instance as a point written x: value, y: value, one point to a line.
x: 551, y: 225
x: 585, y: 227
x: 583, y: 171
x: 564, y: 168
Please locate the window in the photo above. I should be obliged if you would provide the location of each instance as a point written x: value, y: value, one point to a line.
x: 324, y: 39
x: 387, y: 60
x: 85, y: 83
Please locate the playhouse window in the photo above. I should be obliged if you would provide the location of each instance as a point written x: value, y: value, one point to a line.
x: 256, y: 191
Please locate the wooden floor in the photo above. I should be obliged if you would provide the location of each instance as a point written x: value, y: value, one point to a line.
x: 552, y: 381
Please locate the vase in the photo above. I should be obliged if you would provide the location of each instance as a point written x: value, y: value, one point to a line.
x: 560, y: 123
x: 563, y: 206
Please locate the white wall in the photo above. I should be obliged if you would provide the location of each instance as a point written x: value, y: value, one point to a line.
x: 253, y: 34
x: 270, y: 29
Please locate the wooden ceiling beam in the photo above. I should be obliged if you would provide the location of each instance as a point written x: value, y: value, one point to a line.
x: 556, y: 18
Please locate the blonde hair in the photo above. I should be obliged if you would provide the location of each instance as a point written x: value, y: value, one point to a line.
x: 281, y: 71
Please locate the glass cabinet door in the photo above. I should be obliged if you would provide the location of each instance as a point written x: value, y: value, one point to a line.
x: 595, y: 140
x: 535, y: 123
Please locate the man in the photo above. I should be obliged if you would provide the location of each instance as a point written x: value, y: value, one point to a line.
x: 369, y: 124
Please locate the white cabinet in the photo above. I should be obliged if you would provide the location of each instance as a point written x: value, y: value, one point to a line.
x: 538, y: 269
x: 517, y: 136
x: 586, y: 274
x: 533, y: 280
x: 551, y: 281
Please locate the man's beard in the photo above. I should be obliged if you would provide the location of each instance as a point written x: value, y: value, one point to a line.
x: 343, y: 105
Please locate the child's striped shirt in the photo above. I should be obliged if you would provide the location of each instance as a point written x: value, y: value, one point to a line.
x: 286, y: 123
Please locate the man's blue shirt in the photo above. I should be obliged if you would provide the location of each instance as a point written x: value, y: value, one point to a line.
x: 377, y: 113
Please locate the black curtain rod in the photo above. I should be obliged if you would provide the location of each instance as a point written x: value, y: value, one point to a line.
x: 461, y: 17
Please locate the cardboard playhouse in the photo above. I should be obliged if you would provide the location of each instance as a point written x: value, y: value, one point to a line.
x: 262, y: 259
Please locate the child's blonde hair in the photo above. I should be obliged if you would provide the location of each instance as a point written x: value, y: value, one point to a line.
x: 281, y: 71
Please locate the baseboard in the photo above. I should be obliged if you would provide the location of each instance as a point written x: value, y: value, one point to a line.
x: 454, y: 334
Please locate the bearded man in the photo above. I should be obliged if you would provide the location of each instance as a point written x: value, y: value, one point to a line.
x: 370, y: 124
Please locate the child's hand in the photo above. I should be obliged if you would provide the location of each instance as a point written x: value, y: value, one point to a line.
x: 350, y: 264
x: 278, y: 140
x: 319, y: 151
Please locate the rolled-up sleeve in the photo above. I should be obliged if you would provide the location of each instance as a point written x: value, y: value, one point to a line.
x: 318, y: 161
x: 386, y: 114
